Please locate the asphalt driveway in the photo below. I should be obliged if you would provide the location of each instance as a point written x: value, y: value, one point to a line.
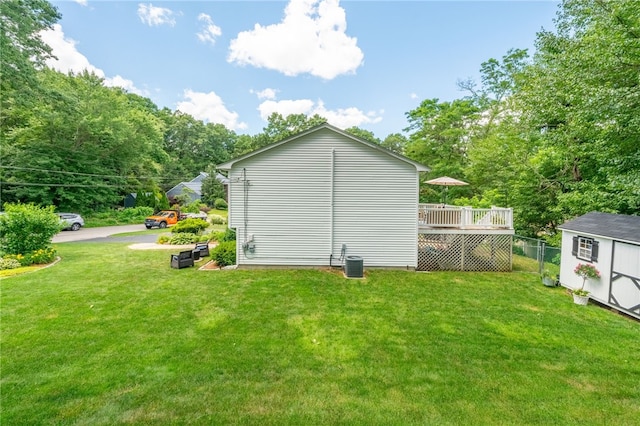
x: 105, y: 234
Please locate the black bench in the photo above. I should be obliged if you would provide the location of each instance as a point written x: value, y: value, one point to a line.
x: 182, y: 259
x: 203, y: 248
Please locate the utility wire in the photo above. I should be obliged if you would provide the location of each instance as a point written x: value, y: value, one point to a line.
x: 65, y: 185
x: 32, y: 169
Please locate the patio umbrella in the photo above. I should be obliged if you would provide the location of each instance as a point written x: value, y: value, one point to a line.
x: 446, y: 181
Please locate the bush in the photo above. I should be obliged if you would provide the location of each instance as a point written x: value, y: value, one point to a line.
x: 134, y: 214
x: 222, y: 236
x: 26, y: 228
x: 217, y: 219
x: 20, y: 258
x: 163, y: 239
x: 184, y: 238
x: 220, y: 204
x: 229, y: 235
x: 9, y: 263
x: 194, y: 207
x: 224, y: 253
x: 41, y: 256
x: 191, y: 226
x: 130, y: 215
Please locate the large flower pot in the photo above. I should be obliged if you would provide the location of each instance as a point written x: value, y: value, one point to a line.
x: 580, y: 300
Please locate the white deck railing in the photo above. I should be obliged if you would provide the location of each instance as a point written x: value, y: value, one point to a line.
x: 445, y: 216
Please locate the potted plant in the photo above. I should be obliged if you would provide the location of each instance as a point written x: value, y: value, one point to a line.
x: 548, y: 279
x: 586, y: 271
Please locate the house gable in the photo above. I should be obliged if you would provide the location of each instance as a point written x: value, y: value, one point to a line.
x: 297, y: 203
x: 227, y: 166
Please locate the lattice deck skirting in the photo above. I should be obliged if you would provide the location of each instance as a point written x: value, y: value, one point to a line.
x: 464, y: 252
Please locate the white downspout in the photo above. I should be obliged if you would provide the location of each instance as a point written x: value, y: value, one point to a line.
x: 331, y: 201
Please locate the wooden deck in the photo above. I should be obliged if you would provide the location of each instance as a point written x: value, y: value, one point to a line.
x: 444, y: 217
x: 452, y: 238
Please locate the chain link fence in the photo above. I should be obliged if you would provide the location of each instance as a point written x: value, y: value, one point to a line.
x: 546, y: 257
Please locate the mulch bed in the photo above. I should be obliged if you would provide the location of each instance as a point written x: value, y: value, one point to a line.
x: 210, y: 266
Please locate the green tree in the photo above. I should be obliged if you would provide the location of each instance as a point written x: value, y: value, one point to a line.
x: 212, y: 189
x: 439, y: 138
x: 193, y: 146
x: 497, y: 149
x: 82, y: 147
x: 22, y: 51
x: 580, y: 101
x: 278, y: 128
x: 364, y: 134
x: 395, y: 142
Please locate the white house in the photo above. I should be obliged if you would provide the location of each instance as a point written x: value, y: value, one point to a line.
x: 300, y: 201
x: 610, y: 242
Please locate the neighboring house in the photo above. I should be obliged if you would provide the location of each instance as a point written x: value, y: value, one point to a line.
x: 194, y: 187
x: 130, y: 199
x: 300, y: 201
x: 610, y: 242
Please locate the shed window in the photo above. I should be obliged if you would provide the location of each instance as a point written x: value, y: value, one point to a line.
x: 585, y: 248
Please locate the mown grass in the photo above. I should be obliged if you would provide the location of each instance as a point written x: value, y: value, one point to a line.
x: 117, y: 337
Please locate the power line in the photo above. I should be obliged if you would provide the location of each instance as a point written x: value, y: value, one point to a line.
x: 62, y: 185
x: 59, y: 171
x: 32, y: 169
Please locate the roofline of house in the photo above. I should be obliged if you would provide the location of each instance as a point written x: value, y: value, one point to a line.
x: 229, y: 164
x: 180, y: 184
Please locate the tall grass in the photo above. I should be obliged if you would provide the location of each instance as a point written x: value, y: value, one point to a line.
x: 114, y: 336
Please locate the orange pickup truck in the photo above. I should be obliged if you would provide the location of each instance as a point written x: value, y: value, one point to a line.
x: 163, y: 219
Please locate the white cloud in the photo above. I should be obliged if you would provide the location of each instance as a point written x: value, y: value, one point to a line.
x: 342, y: 118
x: 154, y: 16
x: 413, y: 95
x: 311, y: 38
x: 209, y: 107
x: 81, y: 2
x: 126, y: 84
x: 210, y: 31
x: 70, y: 60
x: 267, y: 93
x: 285, y: 107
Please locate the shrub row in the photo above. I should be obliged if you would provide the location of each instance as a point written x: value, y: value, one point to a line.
x: 36, y: 257
x: 119, y: 217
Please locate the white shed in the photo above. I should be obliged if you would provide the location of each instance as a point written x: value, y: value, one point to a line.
x: 300, y: 201
x: 610, y: 242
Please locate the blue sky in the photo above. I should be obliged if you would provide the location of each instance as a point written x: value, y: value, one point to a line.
x: 357, y: 63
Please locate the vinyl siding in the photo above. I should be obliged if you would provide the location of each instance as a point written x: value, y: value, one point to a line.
x: 290, y: 196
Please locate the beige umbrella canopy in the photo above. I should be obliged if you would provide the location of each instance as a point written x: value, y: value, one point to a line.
x: 446, y: 181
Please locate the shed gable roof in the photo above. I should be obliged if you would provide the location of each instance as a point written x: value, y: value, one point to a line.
x: 229, y: 164
x: 614, y: 226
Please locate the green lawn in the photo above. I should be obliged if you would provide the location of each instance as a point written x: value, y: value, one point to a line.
x: 117, y: 337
